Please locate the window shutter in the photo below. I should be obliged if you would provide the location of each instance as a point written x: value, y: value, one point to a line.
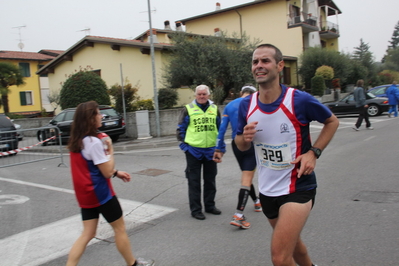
x: 22, y: 97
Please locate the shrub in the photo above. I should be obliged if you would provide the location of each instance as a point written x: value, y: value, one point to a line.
x: 143, y: 105
x: 81, y: 87
x: 130, y: 95
x: 318, y: 85
x: 326, y: 72
x: 167, y: 98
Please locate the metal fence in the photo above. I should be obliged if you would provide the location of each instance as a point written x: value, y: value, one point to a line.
x: 30, y: 149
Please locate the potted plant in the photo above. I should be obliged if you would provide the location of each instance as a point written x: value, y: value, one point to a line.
x: 336, y: 84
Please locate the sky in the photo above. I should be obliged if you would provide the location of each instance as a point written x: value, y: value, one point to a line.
x: 59, y: 24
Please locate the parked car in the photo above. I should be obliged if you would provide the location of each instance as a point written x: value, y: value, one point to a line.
x: 8, y: 135
x: 113, y: 125
x: 347, y: 105
x: 380, y: 91
x: 20, y: 134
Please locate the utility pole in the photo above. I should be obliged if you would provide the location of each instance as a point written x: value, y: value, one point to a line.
x: 154, y: 80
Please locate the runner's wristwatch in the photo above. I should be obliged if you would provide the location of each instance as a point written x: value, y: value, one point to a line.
x: 316, y: 151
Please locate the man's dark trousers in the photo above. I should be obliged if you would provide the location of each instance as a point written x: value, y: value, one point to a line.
x: 193, y: 175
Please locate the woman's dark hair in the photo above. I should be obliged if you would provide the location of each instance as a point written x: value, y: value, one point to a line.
x: 84, y: 124
x: 360, y: 83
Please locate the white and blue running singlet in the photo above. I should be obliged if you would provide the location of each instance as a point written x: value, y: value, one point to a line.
x: 278, y: 141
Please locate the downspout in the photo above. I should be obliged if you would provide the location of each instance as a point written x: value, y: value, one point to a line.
x: 297, y: 75
x: 240, y: 22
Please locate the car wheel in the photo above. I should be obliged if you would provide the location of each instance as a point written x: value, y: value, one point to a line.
x: 373, y: 110
x: 41, y: 135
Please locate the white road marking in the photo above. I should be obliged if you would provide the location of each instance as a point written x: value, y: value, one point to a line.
x: 51, y: 241
x: 369, y: 138
x: 12, y: 199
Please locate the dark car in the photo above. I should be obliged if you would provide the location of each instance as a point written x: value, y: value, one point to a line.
x: 347, y: 105
x: 8, y: 135
x: 113, y: 125
x: 380, y: 91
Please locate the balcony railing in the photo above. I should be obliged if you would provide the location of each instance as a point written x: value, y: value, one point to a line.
x: 306, y: 21
x: 302, y: 18
x: 329, y: 26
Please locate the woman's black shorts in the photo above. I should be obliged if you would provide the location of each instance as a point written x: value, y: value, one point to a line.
x: 111, y: 211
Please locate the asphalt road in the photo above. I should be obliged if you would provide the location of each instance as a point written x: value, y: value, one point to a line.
x: 353, y: 223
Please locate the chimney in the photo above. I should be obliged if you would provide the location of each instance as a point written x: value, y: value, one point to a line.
x: 217, y: 32
x: 178, y: 26
x: 167, y: 25
x: 217, y: 6
x: 154, y: 36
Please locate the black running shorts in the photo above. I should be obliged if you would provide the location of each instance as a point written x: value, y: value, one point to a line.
x: 111, y: 211
x: 246, y: 159
x: 271, y: 205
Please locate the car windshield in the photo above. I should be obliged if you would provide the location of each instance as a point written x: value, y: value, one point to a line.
x: 370, y: 95
x: 5, y: 122
x: 108, y: 112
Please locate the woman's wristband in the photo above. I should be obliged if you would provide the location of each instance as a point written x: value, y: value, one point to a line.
x: 115, y: 173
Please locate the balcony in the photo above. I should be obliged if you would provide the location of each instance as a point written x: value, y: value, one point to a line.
x: 329, y: 30
x: 306, y: 21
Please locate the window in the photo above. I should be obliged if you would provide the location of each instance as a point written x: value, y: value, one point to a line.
x: 25, y: 69
x: 286, y: 75
x: 69, y: 116
x: 98, y: 72
x: 26, y: 97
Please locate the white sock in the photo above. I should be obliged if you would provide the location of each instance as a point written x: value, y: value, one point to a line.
x: 239, y: 215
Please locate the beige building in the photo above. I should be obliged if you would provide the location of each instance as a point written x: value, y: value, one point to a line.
x: 110, y: 58
x: 291, y: 25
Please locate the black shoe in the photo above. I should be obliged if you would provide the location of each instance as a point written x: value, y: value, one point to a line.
x: 199, y: 216
x: 215, y: 211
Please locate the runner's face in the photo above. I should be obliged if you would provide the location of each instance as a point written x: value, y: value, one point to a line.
x: 265, y: 69
x: 202, y: 96
x: 99, y: 118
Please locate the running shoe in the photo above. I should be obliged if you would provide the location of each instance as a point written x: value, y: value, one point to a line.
x: 258, y: 207
x: 240, y: 222
x: 144, y: 262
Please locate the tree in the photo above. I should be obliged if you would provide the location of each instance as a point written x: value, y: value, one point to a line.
x: 394, y: 42
x: 130, y: 95
x: 358, y: 72
x: 10, y: 75
x: 167, y: 98
x: 392, y: 59
x: 315, y: 57
x: 210, y: 60
x: 81, y: 87
x: 363, y: 55
x: 365, y: 58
